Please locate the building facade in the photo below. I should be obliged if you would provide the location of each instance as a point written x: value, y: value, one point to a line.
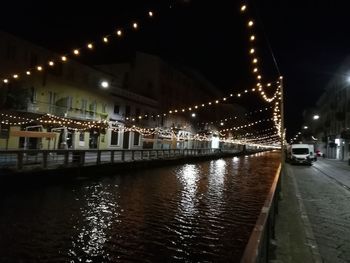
x: 121, y: 106
x: 332, y: 128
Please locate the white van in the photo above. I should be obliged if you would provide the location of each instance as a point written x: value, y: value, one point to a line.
x: 300, y: 153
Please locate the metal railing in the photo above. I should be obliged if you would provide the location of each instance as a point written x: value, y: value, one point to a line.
x: 257, y: 249
x: 32, y: 159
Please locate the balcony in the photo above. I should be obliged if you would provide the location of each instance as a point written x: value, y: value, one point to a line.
x: 64, y: 111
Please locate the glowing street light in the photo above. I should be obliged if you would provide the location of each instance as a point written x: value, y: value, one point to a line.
x: 104, y: 84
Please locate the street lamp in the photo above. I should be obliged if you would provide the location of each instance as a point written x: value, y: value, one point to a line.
x: 104, y: 84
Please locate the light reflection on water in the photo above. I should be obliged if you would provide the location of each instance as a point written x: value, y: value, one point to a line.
x: 188, y: 176
x: 98, y: 212
x: 200, y: 212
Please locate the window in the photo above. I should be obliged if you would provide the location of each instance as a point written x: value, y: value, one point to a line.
x: 116, y: 109
x: 52, y: 98
x: 92, y: 106
x: 32, y: 94
x: 136, y: 139
x: 69, y: 102
x: 104, y: 106
x: 82, y: 136
x: 114, y: 137
x: 83, y: 104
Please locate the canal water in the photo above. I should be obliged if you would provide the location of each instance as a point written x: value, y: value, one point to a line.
x: 197, y: 212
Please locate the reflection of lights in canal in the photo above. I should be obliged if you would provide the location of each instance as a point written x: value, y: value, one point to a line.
x: 97, y: 217
x: 189, y: 176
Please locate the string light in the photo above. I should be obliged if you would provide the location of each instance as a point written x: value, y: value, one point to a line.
x: 76, y: 51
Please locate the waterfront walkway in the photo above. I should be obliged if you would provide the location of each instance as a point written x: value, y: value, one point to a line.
x: 313, y: 223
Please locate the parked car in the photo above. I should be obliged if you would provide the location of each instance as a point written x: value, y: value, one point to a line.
x: 319, y: 153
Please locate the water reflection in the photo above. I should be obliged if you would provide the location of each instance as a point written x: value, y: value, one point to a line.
x: 217, y: 173
x: 188, y: 176
x: 201, y: 212
x: 96, y: 215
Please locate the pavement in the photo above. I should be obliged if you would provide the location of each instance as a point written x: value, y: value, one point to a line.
x: 313, y: 222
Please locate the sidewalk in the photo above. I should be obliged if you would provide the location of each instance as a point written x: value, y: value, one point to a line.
x: 313, y: 223
x: 291, y: 238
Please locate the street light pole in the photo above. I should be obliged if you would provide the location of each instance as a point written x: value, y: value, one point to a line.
x: 282, y: 124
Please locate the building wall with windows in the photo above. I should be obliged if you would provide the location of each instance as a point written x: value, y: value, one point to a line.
x: 69, y: 90
x: 333, y: 128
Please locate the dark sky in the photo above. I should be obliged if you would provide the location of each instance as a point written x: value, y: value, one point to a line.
x: 309, y: 38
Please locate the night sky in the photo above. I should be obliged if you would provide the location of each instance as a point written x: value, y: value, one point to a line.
x: 309, y: 39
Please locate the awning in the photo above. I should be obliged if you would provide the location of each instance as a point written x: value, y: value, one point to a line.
x: 33, y: 134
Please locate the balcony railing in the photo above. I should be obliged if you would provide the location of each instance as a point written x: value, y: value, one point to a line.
x: 62, y: 111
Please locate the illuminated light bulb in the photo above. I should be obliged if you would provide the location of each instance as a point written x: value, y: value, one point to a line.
x: 15, y: 76
x: 243, y: 8
x: 250, y: 23
x: 119, y: 32
x: 209, y: 103
x: 105, y: 39
x: 203, y: 105
x: 253, y: 89
x: 175, y: 110
x: 76, y: 51
x: 252, y: 38
x: 28, y: 73
x: 231, y: 95
x: 259, y: 77
x: 5, y: 80
x: 216, y: 101
x: 51, y: 63
x: 64, y: 58
x: 246, y: 91
x: 224, y: 99
x: 150, y: 14
x: 135, y: 25
x: 255, y: 70
x: 238, y: 95
x: 39, y: 68
x: 90, y: 46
